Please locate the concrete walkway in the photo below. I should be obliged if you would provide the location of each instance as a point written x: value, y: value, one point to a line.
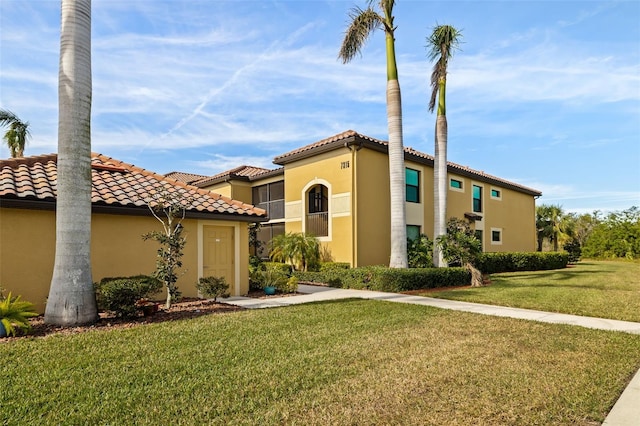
x: 626, y: 411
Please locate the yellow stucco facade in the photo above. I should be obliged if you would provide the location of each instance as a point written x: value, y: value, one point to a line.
x: 355, y: 181
x: 27, y: 249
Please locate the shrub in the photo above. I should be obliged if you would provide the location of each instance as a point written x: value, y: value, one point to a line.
x: 329, y: 266
x: 381, y: 278
x: 491, y: 263
x: 120, y: 295
x: 15, y: 314
x: 572, y: 248
x: 420, y: 252
x: 274, y: 274
x: 213, y: 287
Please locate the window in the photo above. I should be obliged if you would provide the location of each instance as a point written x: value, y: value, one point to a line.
x: 496, y: 236
x: 455, y: 184
x: 318, y: 211
x: 477, y: 199
x: 413, y: 185
x: 264, y: 235
x: 270, y: 197
x: 496, y: 193
x: 413, y: 232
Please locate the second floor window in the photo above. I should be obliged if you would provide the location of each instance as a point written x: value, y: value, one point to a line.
x: 271, y: 198
x: 412, y: 178
x: 477, y: 199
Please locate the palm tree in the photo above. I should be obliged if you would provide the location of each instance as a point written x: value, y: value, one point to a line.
x: 17, y: 135
x: 71, y: 295
x: 442, y: 42
x: 363, y: 23
x: 549, y: 224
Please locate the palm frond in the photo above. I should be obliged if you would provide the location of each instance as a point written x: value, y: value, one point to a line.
x: 17, y: 135
x: 442, y: 42
x: 363, y: 23
x: 7, y: 117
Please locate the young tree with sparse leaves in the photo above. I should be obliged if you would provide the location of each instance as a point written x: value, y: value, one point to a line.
x: 170, y: 210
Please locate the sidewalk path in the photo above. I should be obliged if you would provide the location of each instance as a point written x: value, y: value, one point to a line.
x: 626, y: 411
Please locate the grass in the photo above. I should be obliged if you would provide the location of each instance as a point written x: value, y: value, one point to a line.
x: 345, y: 362
x: 605, y: 289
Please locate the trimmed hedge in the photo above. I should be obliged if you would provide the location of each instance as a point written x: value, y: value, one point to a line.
x: 381, y: 278
x: 120, y: 294
x: 330, y: 266
x: 492, y: 263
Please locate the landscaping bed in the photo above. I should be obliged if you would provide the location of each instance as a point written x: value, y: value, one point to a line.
x: 187, y: 308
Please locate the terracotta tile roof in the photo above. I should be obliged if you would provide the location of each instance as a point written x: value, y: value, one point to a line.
x: 329, y: 142
x: 351, y: 137
x: 185, y: 177
x: 247, y: 173
x: 115, y: 183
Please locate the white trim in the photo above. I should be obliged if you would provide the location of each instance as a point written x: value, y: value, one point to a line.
x: 451, y: 188
x: 303, y: 197
x: 493, y: 188
x: 341, y: 215
x: 495, y: 243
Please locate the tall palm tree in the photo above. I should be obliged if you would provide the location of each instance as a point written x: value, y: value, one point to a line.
x: 443, y: 41
x: 17, y: 135
x: 71, y: 296
x: 363, y: 23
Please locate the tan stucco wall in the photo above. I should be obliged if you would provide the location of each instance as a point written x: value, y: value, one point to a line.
x: 222, y: 188
x: 330, y: 170
x: 27, y: 247
x: 373, y: 214
x: 513, y: 214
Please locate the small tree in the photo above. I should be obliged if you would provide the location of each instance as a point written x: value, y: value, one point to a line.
x: 460, y: 246
x: 170, y: 210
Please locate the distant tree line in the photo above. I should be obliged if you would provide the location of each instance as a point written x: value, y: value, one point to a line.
x: 595, y: 235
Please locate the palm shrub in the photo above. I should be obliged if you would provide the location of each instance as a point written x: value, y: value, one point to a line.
x: 15, y: 314
x: 460, y: 246
x: 300, y: 250
x: 213, y: 287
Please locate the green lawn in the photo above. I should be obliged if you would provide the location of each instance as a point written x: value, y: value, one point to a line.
x: 604, y: 289
x: 345, y: 362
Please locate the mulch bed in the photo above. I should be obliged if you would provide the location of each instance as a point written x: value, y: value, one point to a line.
x: 186, y: 308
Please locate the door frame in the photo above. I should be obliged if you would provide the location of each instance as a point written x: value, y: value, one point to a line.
x: 236, y: 249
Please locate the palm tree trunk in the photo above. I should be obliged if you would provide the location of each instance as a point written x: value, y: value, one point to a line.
x: 397, y: 183
x: 440, y: 187
x: 71, y: 295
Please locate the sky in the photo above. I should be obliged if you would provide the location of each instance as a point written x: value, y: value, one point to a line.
x: 542, y: 93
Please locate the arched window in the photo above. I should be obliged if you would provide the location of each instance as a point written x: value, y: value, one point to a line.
x: 317, y: 211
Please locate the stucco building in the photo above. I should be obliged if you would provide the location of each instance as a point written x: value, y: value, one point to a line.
x: 216, y: 227
x: 338, y: 190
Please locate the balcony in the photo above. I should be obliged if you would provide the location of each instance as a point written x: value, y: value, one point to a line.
x: 318, y: 224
